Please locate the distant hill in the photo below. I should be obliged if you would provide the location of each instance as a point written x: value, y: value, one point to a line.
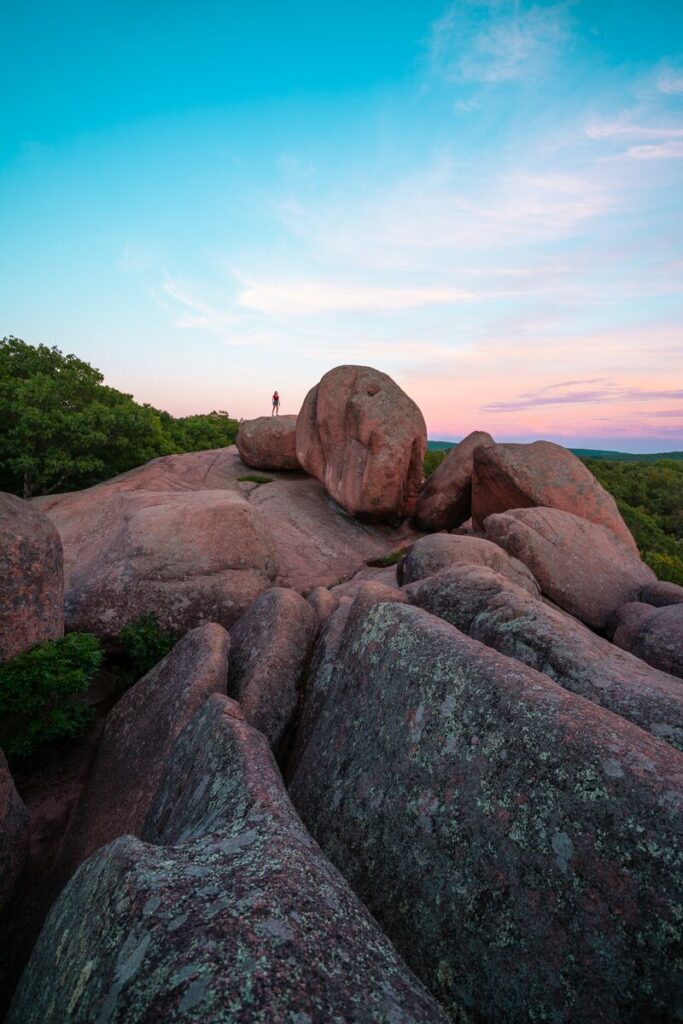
x: 588, y: 453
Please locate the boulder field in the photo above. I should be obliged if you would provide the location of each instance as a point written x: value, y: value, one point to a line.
x: 388, y: 773
x: 226, y: 910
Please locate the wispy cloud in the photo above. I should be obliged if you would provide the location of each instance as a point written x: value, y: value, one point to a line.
x: 610, y: 392
x: 311, y: 297
x: 624, y: 127
x: 671, y: 150
x: 492, y: 43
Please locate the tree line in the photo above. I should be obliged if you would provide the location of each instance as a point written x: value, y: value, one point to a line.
x: 62, y: 428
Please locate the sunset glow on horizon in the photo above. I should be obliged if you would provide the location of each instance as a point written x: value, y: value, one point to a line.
x: 480, y: 198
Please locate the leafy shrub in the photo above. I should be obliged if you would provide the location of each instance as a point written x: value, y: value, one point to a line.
x: 666, y: 567
x: 39, y: 693
x: 144, y: 644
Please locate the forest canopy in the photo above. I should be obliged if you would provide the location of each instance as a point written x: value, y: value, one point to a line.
x: 62, y: 428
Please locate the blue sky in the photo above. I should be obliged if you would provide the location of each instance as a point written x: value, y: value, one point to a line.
x: 483, y: 199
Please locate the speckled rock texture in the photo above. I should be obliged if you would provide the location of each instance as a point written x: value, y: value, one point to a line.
x: 31, y: 578
x: 581, y: 567
x: 653, y: 634
x: 509, y: 476
x: 238, y: 920
x: 318, y: 686
x: 14, y: 837
x: 138, y: 736
x: 365, y: 440
x: 518, y: 843
x: 489, y: 608
x: 661, y: 593
x: 270, y: 647
x: 268, y: 442
x: 188, y: 557
x: 443, y: 550
x: 445, y: 501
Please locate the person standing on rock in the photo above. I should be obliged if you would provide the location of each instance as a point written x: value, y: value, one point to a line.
x: 276, y: 404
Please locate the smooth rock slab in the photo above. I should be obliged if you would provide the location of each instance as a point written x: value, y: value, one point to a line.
x: 14, y: 837
x: 365, y: 440
x: 268, y: 442
x: 489, y: 608
x: 270, y: 646
x: 653, y: 634
x: 543, y: 474
x: 518, y: 843
x: 138, y: 736
x: 187, y: 557
x: 581, y: 567
x: 445, y: 501
x: 430, y: 555
x: 31, y: 578
x: 240, y: 920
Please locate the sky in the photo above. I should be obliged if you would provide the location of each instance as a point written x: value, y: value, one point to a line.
x: 483, y: 199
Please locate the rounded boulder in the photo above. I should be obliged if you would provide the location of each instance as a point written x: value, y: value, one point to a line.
x: 365, y: 440
x: 268, y: 442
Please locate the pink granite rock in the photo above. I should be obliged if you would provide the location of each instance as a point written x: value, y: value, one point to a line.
x: 518, y: 843
x: 324, y: 603
x: 31, y: 578
x: 228, y: 914
x: 583, y: 568
x: 270, y: 646
x: 442, y: 550
x: 661, y: 593
x: 490, y: 608
x: 541, y: 474
x: 138, y: 735
x: 365, y: 440
x: 653, y: 634
x: 445, y: 501
x: 268, y: 442
x: 186, y: 557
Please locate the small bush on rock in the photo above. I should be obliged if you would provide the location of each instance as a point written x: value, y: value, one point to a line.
x: 39, y: 693
x: 144, y: 643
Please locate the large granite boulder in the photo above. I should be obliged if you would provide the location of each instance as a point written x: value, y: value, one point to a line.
x: 445, y: 501
x: 270, y: 647
x: 138, y: 736
x: 365, y: 440
x: 442, y: 550
x: 518, y: 843
x: 268, y: 442
x: 489, y: 608
x: 188, y: 557
x: 31, y: 578
x: 653, y: 634
x: 581, y: 567
x: 509, y: 476
x: 14, y: 837
x: 237, y: 917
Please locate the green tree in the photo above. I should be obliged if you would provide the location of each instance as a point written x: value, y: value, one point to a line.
x: 62, y: 428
